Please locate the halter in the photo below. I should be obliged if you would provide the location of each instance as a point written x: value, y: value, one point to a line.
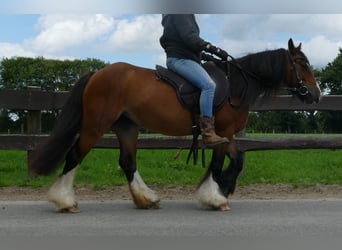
x: 301, y: 90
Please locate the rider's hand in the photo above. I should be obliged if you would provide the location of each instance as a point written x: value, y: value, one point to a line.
x: 216, y: 51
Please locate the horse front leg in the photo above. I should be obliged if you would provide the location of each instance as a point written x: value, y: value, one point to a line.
x: 228, y: 178
x: 209, y: 193
x: 217, y: 185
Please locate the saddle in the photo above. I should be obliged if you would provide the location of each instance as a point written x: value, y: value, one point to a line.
x: 188, y: 94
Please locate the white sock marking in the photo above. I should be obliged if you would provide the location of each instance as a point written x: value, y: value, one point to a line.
x: 62, y: 191
x: 138, y: 187
x: 208, y: 194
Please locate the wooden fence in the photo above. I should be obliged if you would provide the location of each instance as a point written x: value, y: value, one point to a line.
x: 35, y: 101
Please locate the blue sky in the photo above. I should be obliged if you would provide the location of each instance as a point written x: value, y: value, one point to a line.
x: 134, y: 38
x: 16, y: 28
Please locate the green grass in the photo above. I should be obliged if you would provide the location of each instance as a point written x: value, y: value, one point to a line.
x: 277, y: 135
x: 101, y: 168
x: 296, y: 167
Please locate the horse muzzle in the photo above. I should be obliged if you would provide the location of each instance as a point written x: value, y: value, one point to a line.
x: 307, y: 94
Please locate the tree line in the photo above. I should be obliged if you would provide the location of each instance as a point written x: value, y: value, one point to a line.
x: 49, y: 75
x: 60, y: 75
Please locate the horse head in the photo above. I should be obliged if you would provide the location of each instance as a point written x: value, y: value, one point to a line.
x: 300, y: 78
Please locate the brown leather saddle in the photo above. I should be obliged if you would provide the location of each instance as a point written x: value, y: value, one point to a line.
x: 189, y: 95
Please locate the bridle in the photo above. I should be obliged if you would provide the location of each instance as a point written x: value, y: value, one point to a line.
x: 301, y: 89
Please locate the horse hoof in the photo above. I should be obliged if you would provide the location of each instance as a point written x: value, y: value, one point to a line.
x: 155, y: 205
x: 72, y: 210
x: 224, y: 207
x: 149, y: 205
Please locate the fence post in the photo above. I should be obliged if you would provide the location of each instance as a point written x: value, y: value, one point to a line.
x: 34, y: 126
x: 34, y: 117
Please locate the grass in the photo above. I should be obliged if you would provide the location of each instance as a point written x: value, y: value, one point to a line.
x: 282, y: 135
x: 101, y: 168
x: 296, y: 167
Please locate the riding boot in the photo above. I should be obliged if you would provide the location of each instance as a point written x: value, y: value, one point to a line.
x: 209, y: 137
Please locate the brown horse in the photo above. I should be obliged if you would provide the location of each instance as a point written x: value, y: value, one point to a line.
x: 122, y: 97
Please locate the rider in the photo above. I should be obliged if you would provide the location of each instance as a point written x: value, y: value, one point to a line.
x: 183, y: 46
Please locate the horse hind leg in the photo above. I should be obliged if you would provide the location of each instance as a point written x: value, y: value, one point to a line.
x: 142, y: 195
x: 61, y: 193
x: 127, y: 133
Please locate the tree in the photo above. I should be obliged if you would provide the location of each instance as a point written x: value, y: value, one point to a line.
x: 281, y: 122
x: 331, y: 78
x: 331, y: 75
x: 54, y: 75
x: 50, y: 75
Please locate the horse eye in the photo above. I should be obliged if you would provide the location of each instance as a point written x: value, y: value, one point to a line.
x: 304, y: 66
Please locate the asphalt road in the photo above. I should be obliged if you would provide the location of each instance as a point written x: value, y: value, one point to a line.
x: 251, y: 218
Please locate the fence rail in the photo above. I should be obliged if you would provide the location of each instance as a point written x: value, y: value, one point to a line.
x: 43, y: 100
x: 36, y: 101
x: 29, y: 142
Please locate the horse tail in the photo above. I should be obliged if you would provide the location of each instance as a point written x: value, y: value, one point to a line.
x: 50, y: 154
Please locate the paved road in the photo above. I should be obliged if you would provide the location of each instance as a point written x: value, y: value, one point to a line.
x: 176, y: 218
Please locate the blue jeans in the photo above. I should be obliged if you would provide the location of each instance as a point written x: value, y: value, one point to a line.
x: 195, y: 74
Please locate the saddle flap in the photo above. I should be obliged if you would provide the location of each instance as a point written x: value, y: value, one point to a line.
x: 188, y: 94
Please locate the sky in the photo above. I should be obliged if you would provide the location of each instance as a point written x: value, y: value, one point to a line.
x: 134, y: 38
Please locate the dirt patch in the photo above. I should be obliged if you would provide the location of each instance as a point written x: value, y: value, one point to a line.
x: 172, y: 192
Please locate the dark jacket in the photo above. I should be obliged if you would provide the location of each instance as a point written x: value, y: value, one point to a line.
x: 181, y: 37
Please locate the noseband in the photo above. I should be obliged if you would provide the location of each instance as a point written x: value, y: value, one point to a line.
x: 301, y: 89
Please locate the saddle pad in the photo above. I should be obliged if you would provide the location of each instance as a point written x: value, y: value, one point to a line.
x: 188, y: 94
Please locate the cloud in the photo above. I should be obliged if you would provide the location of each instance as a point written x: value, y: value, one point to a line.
x: 60, y: 32
x: 73, y: 36
x: 320, y: 34
x: 142, y: 33
x: 8, y: 50
x: 136, y: 37
x: 265, y: 26
x: 321, y: 50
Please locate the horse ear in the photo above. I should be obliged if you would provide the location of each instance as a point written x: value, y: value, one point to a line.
x: 299, y: 46
x: 291, y: 45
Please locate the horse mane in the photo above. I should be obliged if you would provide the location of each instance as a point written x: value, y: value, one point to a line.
x: 264, y: 72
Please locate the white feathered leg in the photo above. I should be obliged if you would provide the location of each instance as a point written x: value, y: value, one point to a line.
x: 142, y: 195
x: 209, y: 195
x: 62, y: 193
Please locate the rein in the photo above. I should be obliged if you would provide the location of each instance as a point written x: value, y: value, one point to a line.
x: 244, y: 73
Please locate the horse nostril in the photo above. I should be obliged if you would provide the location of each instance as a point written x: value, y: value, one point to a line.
x: 318, y: 97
